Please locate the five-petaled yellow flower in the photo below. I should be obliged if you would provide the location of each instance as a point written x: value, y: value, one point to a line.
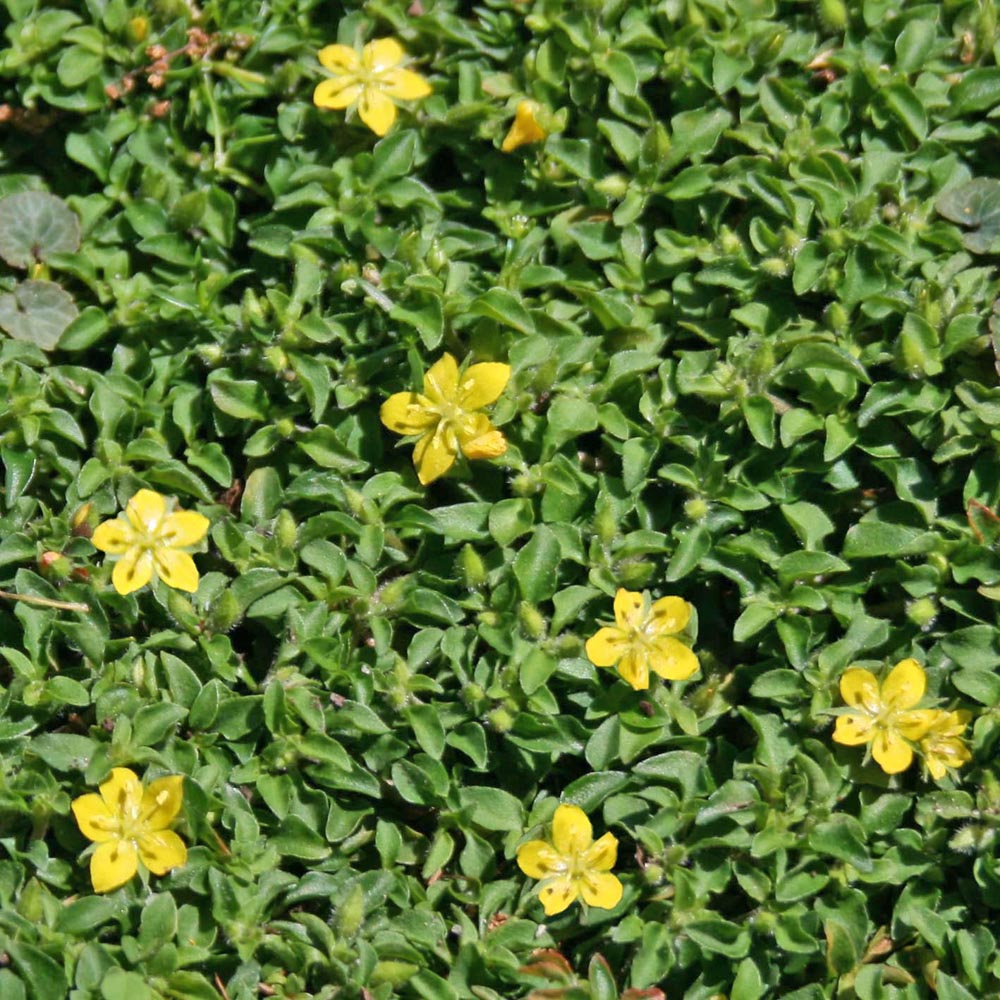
x: 129, y: 824
x: 883, y: 715
x: 525, y: 128
x: 943, y: 746
x: 151, y: 541
x: 445, y: 416
x: 644, y: 638
x: 373, y: 81
x: 573, y: 864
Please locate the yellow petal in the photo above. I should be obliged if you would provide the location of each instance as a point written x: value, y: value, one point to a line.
x: 382, y: 54
x: 145, y: 511
x: 853, y: 730
x: 935, y: 766
x: 672, y: 660
x: 408, y: 413
x: 600, y: 889
x: 602, y: 854
x: 114, y: 537
x: 916, y: 724
x: 122, y: 792
x: 633, y: 667
x: 482, y: 384
x: 161, y: 851
x: 891, y: 752
x: 629, y: 607
x: 112, y: 865
x: 336, y: 94
x: 162, y: 801
x: 859, y: 689
x: 525, y: 128
x: 905, y: 685
x: 432, y: 457
x: 558, y: 894
x: 405, y: 85
x: 341, y: 60
x: 490, y: 444
x: 176, y: 569
x: 183, y: 528
x: 95, y: 820
x: 606, y: 647
x: 669, y: 615
x: 133, y: 571
x: 441, y: 380
x: 538, y: 859
x: 571, y: 831
x: 376, y: 110
x: 940, y: 754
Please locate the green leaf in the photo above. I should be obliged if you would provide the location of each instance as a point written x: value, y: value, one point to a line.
x: 35, y: 225
x: 842, y: 837
x: 505, y: 307
x: 44, y: 976
x: 491, y: 808
x: 536, y: 565
x: 978, y: 90
x: 975, y: 204
x: 19, y: 469
x: 38, y: 312
x: 238, y: 398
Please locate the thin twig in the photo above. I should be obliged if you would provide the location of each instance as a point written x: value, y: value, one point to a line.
x: 46, y: 602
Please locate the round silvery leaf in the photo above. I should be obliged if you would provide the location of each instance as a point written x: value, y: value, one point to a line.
x: 977, y: 205
x: 38, y: 312
x: 34, y: 225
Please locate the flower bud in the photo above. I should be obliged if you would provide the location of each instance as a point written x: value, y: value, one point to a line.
x: 138, y: 29
x: 225, y: 612
x: 613, y: 186
x: 81, y: 523
x: 500, y: 720
x: 394, y: 593
x: 471, y: 567
x: 922, y: 612
x: 696, y: 509
x: 351, y: 912
x: 833, y: 14
x: 533, y: 623
x: 605, y: 523
x: 54, y: 565
x: 285, y: 529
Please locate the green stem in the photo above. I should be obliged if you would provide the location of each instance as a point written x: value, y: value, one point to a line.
x: 46, y: 602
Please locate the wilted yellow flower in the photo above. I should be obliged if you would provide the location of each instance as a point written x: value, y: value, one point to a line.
x: 129, y: 824
x: 883, y: 715
x: 373, y: 81
x: 573, y: 864
x: 643, y: 639
x: 445, y: 416
x: 943, y: 746
x: 525, y: 128
x: 151, y: 541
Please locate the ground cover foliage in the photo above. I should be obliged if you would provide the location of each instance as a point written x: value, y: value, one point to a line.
x: 745, y: 288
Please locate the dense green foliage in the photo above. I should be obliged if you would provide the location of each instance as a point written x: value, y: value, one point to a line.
x: 745, y: 287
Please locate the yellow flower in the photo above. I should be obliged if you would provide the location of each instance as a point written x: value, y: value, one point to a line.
x: 942, y: 745
x: 572, y: 864
x: 373, y: 81
x: 445, y: 416
x: 129, y: 824
x: 525, y: 128
x: 150, y: 541
x: 643, y: 639
x: 883, y: 715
